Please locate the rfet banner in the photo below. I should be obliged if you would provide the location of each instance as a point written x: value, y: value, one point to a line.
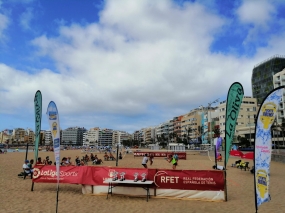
x: 265, y: 118
x: 190, y: 180
x: 181, y: 155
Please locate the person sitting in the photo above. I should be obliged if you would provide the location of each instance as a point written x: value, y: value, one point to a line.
x: 77, y: 161
x: 112, y: 157
x: 30, y: 164
x: 27, y: 169
x: 92, y: 157
x: 63, y: 161
x: 68, y: 161
x: 82, y: 163
x: 106, y: 156
x: 219, y: 158
x: 87, y: 158
x: 39, y: 161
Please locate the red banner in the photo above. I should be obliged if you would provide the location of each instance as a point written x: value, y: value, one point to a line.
x: 236, y: 153
x: 190, y: 180
x: 163, y: 179
x: 48, y: 174
x: 181, y: 155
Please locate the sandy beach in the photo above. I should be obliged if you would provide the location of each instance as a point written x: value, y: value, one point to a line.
x: 16, y: 194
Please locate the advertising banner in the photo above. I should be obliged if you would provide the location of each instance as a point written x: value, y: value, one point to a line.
x: 53, y: 119
x: 234, y: 100
x: 181, y: 155
x: 163, y: 179
x: 262, y: 152
x: 190, y: 180
x: 48, y: 174
x: 38, y: 121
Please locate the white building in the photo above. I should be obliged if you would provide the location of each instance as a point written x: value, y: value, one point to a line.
x: 92, y: 137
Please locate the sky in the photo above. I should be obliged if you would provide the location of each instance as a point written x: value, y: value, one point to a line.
x: 127, y: 65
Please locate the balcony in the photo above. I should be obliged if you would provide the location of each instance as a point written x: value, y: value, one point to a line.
x: 277, y: 80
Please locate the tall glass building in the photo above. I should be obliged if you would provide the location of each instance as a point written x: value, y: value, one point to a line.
x: 262, y: 76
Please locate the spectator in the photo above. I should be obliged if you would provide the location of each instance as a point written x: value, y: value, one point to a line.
x: 30, y: 164
x: 77, y: 161
x: 39, y: 161
x: 27, y: 169
x: 120, y: 156
x: 106, y: 156
x: 112, y: 157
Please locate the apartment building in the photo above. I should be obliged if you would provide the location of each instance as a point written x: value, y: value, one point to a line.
x: 18, y: 135
x: 92, y: 136
x: 262, y: 76
x: 177, y: 125
x: 6, y: 136
x: 245, y: 126
x: 116, y: 137
x: 73, y: 136
x: 149, y: 135
x: 191, y: 120
x: 105, y: 137
x: 29, y: 136
x: 279, y: 80
x: 48, y: 138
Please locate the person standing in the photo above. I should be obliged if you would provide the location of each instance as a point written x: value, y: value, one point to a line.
x: 151, y: 158
x: 144, y: 161
x: 173, y: 161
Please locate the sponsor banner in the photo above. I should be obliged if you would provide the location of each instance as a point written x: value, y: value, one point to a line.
x: 53, y: 119
x: 181, y: 155
x: 265, y: 118
x: 38, y: 120
x: 48, y: 174
x: 234, y: 100
x: 236, y: 153
x: 96, y: 175
x: 163, y: 179
x: 190, y: 180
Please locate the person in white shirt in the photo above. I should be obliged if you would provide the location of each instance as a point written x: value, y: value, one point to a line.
x: 144, y: 161
x: 26, y: 167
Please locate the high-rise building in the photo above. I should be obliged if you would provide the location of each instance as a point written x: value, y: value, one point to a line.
x: 73, y: 136
x: 106, y: 137
x: 262, y: 76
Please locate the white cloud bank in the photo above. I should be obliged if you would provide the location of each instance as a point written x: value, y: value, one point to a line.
x: 141, y: 54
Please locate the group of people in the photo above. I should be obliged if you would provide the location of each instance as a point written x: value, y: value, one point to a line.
x: 173, y: 159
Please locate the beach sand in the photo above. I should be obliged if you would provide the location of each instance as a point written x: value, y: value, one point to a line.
x: 16, y: 194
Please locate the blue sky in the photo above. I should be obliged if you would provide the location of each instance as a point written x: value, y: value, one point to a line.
x: 127, y: 65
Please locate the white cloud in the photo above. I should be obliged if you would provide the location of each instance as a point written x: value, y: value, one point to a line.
x: 142, y: 54
x: 25, y: 19
x: 258, y: 13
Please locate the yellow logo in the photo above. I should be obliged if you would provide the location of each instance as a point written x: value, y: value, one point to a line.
x: 268, y: 111
x: 54, y: 129
x: 261, y: 180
